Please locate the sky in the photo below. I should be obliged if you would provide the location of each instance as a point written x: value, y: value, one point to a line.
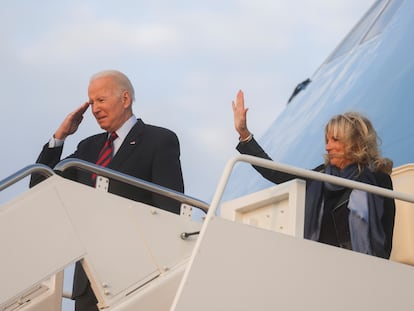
x: 186, y: 60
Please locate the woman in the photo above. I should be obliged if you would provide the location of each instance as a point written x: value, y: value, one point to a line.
x: 335, y: 215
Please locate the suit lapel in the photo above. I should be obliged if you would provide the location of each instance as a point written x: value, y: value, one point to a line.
x: 97, y: 144
x: 131, y: 142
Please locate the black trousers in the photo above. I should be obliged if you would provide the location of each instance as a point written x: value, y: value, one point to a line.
x: 86, y: 302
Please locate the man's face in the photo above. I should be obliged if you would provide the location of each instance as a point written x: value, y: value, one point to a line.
x: 110, y: 106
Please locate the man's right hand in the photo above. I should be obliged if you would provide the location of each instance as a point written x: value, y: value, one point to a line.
x: 71, y: 123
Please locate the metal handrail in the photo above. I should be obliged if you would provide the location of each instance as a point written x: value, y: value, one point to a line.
x: 300, y: 172
x: 107, y: 172
x: 26, y: 171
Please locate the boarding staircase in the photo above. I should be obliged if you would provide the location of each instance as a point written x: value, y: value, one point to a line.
x: 138, y: 257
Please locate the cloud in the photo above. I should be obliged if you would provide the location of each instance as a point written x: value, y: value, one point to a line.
x: 99, y: 39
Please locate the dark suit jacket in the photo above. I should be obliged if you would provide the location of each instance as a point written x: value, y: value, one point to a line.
x: 148, y: 152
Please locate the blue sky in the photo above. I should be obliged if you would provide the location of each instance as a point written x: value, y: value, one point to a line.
x: 186, y: 59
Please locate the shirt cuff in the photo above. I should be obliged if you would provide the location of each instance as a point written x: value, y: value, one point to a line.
x: 54, y: 142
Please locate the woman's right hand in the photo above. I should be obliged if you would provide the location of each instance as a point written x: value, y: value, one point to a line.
x: 240, y: 116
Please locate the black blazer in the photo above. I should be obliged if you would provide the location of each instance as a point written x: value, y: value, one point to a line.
x: 148, y: 152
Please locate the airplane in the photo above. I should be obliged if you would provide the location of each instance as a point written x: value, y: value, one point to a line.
x: 248, y: 251
x: 370, y: 72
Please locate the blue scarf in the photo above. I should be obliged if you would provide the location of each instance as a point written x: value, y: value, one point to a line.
x: 366, y: 211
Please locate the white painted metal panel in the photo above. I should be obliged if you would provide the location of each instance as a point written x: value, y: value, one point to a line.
x: 279, y: 208
x: 117, y: 256
x: 131, y: 252
x: 37, y: 239
x: 156, y: 295
x: 239, y: 267
x: 128, y: 243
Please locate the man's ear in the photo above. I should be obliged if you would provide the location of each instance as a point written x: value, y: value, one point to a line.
x: 126, y: 99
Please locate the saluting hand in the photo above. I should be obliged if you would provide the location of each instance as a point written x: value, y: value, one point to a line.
x: 71, y: 123
x: 240, y: 116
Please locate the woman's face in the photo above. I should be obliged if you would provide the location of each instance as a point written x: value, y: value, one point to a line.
x: 335, y: 148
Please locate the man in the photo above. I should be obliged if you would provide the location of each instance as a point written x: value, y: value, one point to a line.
x: 138, y: 149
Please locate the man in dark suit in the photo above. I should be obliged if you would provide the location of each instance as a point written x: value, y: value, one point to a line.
x: 144, y: 151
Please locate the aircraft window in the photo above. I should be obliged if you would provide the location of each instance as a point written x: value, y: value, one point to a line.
x: 354, y: 37
x: 383, y: 19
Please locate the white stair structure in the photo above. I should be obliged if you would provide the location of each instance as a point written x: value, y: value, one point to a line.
x: 253, y: 257
x: 235, y: 266
x: 132, y: 253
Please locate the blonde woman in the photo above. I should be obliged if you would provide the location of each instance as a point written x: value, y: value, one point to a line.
x: 335, y: 215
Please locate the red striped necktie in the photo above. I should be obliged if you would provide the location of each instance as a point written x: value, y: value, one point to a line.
x: 107, y: 152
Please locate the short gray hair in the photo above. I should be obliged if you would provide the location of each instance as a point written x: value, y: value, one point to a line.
x: 119, y: 78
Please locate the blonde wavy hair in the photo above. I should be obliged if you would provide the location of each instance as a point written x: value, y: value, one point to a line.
x: 360, y: 139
